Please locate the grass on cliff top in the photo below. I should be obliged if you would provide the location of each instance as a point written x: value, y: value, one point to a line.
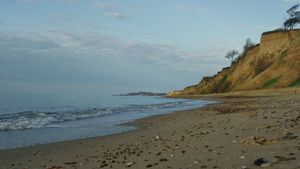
x: 278, y: 30
x: 294, y: 83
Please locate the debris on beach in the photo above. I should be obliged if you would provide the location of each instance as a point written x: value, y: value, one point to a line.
x: 266, y: 165
x: 260, y: 161
x: 257, y: 141
x: 130, y: 164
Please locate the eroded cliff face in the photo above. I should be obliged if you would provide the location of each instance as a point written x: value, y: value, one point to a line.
x: 274, y: 63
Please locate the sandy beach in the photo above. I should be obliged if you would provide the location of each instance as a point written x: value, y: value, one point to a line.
x: 241, y: 129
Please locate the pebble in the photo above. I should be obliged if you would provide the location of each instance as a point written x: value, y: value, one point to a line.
x: 148, y: 166
x: 130, y: 164
x: 70, y: 163
x: 260, y: 161
x: 287, y: 133
x: 163, y: 159
x: 53, y: 167
x: 266, y: 165
x: 243, y: 157
x: 103, y: 165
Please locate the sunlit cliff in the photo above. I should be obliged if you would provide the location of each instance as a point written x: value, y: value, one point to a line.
x: 274, y: 63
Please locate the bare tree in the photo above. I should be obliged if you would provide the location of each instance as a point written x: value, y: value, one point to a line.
x: 292, y: 11
x: 294, y: 17
x: 249, y: 45
x: 231, y: 54
x: 290, y: 23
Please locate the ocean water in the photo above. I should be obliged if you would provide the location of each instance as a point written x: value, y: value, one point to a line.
x: 27, y: 120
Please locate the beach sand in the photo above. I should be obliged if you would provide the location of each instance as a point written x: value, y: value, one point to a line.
x: 243, y: 127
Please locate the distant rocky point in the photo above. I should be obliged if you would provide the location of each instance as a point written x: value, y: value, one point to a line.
x: 142, y: 94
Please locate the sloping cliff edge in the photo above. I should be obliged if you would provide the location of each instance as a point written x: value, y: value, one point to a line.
x: 274, y: 63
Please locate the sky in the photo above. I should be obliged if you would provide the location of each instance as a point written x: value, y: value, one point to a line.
x: 120, y: 46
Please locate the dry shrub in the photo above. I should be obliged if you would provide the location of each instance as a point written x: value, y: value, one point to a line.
x: 225, y: 86
x: 219, y: 88
x: 261, y: 65
x: 214, y: 89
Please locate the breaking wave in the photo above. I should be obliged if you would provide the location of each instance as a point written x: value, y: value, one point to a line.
x: 36, y: 119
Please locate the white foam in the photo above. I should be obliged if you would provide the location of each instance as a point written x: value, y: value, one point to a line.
x: 35, y: 119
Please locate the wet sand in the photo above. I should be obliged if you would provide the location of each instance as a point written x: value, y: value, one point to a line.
x: 243, y: 127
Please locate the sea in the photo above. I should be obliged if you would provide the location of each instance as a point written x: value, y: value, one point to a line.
x: 27, y: 120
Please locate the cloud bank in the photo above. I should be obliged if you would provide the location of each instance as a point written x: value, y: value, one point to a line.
x: 92, y: 59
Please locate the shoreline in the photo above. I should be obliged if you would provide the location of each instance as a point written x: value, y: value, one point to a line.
x: 94, y: 127
x: 208, y: 137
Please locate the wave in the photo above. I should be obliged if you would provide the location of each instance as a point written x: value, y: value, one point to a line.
x: 36, y: 119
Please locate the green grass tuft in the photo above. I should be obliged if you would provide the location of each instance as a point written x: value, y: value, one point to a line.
x: 283, y: 54
x: 270, y: 82
x: 294, y: 83
x: 223, y: 80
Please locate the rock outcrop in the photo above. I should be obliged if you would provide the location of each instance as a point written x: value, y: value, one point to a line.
x: 274, y: 63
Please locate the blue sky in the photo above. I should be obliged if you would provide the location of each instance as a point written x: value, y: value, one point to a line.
x: 120, y: 46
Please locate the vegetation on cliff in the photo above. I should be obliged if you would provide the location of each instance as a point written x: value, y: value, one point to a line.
x: 274, y: 63
x: 294, y: 17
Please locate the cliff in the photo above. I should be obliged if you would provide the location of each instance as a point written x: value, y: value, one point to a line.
x: 274, y: 63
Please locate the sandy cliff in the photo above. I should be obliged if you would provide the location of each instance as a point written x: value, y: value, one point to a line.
x: 274, y: 63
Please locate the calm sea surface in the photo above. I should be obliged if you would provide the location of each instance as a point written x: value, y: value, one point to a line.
x: 27, y: 120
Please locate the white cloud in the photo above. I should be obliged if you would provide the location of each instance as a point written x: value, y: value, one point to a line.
x: 103, y: 5
x: 181, y: 8
x: 103, y: 49
x: 202, y: 8
x: 109, y: 6
x: 222, y: 23
x: 29, y: 1
x: 66, y: 1
x: 90, y: 58
x: 116, y: 15
x: 61, y: 20
x: 94, y: 25
x: 290, y: 0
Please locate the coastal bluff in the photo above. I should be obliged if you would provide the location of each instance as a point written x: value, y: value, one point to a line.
x: 273, y: 63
